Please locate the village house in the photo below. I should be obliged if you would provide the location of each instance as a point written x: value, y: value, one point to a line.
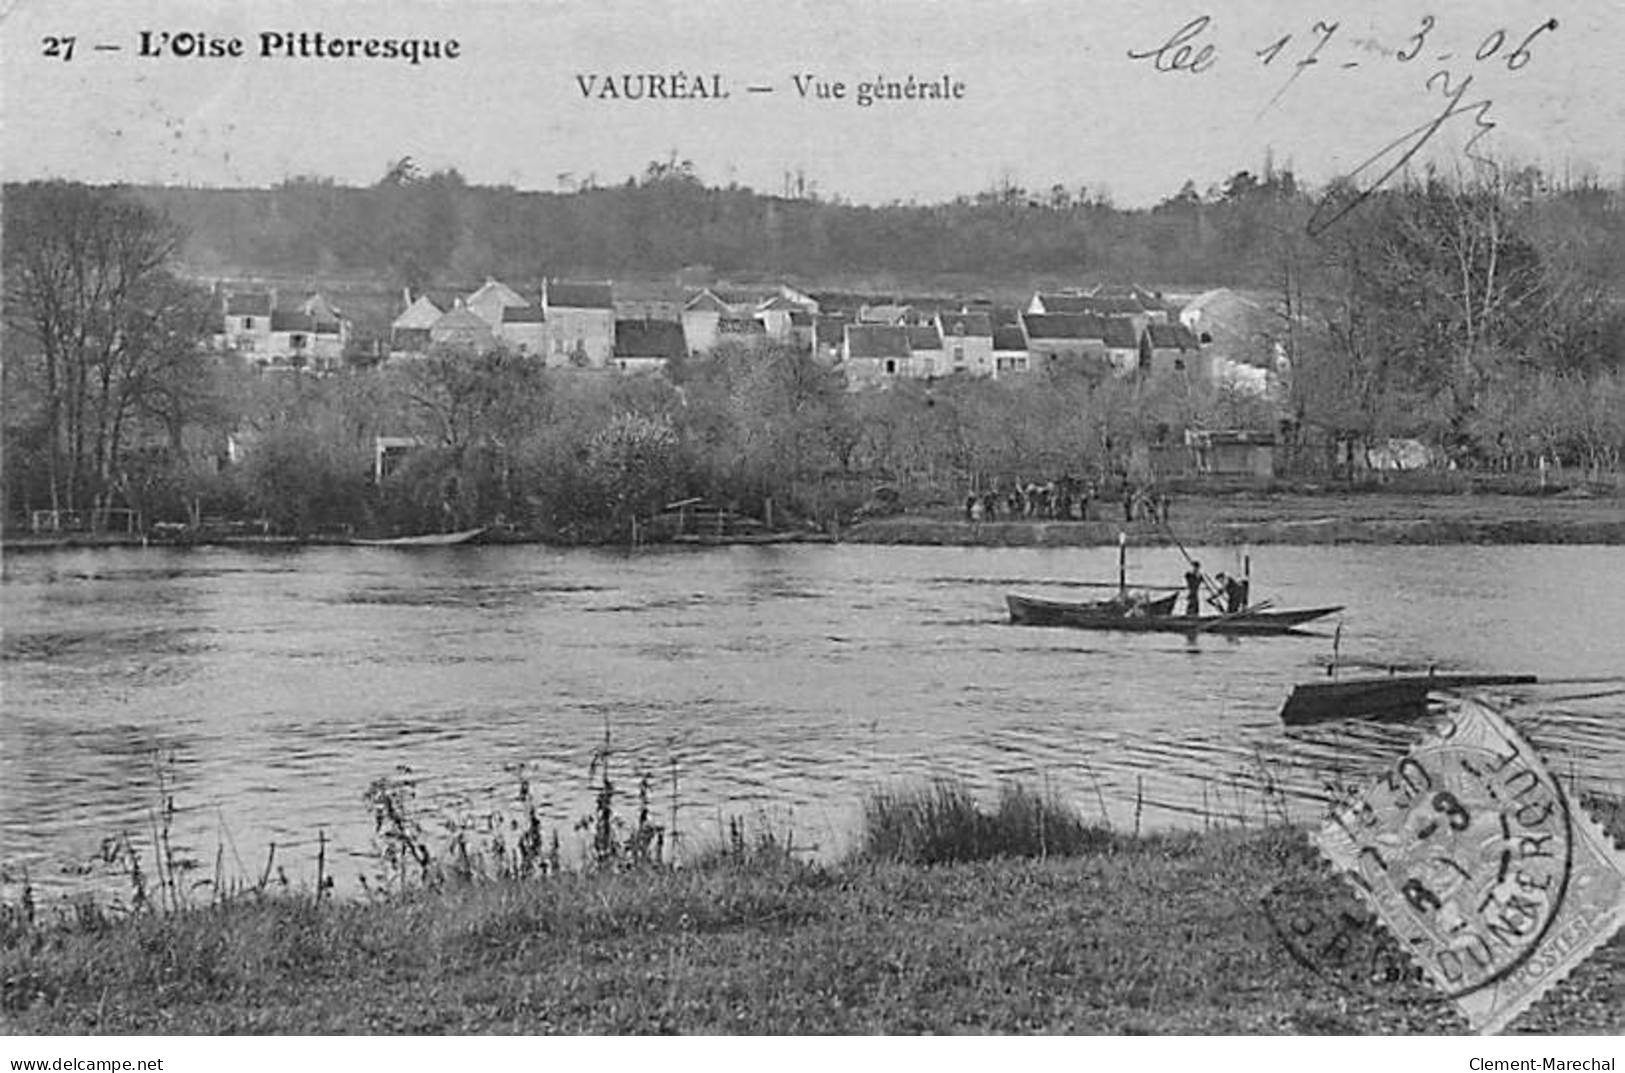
x: 581, y: 322
x: 784, y: 312
x: 312, y: 337
x: 1066, y: 340
x: 700, y: 317
x: 1140, y: 306
x: 1171, y: 350
x: 874, y: 354
x: 246, y: 324
x: 1244, y: 342
x: 491, y: 299
x: 409, y: 332
x: 775, y: 315
x: 926, y: 356
x: 967, y: 342
x: 801, y: 329
x: 1010, y: 354
x: 647, y: 345
x: 523, y: 329
x: 829, y: 337
x: 301, y: 340
x: 1122, y: 345
x: 464, y: 330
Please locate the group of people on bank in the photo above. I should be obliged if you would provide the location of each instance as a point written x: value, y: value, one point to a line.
x: 1064, y: 499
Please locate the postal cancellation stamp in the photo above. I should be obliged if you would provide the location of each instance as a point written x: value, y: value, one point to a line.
x: 1472, y: 855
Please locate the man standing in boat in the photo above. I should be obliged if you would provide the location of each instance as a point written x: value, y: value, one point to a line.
x: 1193, y: 589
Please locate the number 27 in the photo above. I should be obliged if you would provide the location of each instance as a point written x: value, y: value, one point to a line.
x: 59, y: 47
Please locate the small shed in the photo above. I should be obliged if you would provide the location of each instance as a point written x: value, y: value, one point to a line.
x: 1232, y: 452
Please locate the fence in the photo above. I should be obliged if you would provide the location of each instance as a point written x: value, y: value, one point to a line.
x: 100, y: 520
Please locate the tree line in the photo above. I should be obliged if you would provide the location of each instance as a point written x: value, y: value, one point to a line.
x: 415, y: 228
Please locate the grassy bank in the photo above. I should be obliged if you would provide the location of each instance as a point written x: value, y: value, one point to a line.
x: 1288, y: 518
x: 1211, y: 517
x: 1170, y: 933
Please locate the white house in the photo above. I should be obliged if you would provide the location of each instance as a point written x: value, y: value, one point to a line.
x: 580, y: 322
x: 967, y: 343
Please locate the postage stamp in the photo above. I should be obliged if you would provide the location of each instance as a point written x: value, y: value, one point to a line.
x: 1471, y: 854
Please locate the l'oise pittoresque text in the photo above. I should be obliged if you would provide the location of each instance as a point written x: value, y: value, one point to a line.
x: 293, y: 45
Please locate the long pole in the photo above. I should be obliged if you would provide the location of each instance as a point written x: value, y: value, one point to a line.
x: 1122, y: 564
x: 1213, y: 590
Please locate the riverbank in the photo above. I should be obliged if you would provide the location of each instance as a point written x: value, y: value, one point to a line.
x: 1163, y: 934
x: 1331, y: 518
x: 1210, y: 519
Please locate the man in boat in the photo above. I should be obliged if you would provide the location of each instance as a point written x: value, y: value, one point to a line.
x: 1193, y: 589
x: 1235, y: 593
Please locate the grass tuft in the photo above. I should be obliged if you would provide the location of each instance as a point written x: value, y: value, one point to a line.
x: 943, y: 823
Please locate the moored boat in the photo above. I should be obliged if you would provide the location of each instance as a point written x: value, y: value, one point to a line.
x: 424, y: 540
x: 1384, y: 698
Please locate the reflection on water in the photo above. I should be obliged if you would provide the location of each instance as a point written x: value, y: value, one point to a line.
x: 786, y: 681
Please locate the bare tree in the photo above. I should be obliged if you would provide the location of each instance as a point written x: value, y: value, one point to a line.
x: 108, y: 329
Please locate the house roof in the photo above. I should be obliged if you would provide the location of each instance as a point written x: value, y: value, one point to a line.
x: 741, y: 299
x: 1065, y: 303
x: 249, y: 304
x: 1009, y: 337
x: 1171, y: 336
x: 317, y: 305
x: 567, y: 294
x: 778, y: 303
x: 525, y: 314
x: 497, y: 293
x: 1118, y: 305
x: 923, y: 337
x: 292, y: 321
x: 829, y: 330
x: 1120, y: 333
x: 890, y: 312
x: 1064, y: 326
x: 422, y: 313
x: 966, y: 324
x: 1147, y: 299
x: 876, y: 341
x: 706, y: 302
x: 647, y: 338
x: 461, y: 319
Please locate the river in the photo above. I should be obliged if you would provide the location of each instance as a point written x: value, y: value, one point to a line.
x: 268, y: 688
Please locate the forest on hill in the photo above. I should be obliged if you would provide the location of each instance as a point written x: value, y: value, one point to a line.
x: 417, y: 230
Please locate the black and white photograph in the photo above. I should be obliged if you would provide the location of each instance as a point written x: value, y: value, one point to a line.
x: 812, y: 518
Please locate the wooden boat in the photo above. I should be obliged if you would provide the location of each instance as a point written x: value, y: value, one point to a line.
x: 1089, y: 614
x: 1153, y: 615
x: 424, y: 540
x: 1383, y: 698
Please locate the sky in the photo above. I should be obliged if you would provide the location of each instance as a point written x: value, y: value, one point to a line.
x: 1050, y: 94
